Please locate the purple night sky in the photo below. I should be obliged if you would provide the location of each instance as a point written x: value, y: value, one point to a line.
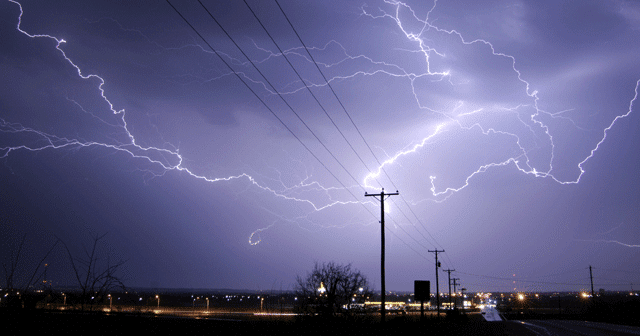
x: 510, y: 129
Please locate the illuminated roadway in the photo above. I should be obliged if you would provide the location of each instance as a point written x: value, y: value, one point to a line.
x: 490, y: 313
x: 564, y: 328
x: 557, y: 327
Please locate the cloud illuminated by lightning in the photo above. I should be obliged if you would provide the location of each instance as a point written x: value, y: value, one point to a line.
x: 428, y: 51
x: 162, y: 160
x: 534, y: 124
x: 461, y: 116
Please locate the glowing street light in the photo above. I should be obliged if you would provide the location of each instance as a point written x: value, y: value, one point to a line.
x: 322, y: 290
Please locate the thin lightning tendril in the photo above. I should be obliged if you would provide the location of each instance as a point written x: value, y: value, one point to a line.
x: 521, y: 162
x: 166, y: 159
x: 516, y: 161
x: 610, y: 242
x: 171, y: 160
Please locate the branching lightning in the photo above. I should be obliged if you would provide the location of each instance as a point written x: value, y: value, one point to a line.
x: 163, y: 159
x: 463, y: 116
x: 535, y: 125
x: 422, y: 44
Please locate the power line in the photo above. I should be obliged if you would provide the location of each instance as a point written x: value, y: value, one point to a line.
x: 278, y: 93
x: 307, y: 87
x: 288, y: 105
x: 297, y: 115
x: 325, y: 111
x: 262, y: 101
x: 354, y: 125
x: 278, y: 118
x: 527, y: 281
x: 332, y: 90
x: 612, y: 270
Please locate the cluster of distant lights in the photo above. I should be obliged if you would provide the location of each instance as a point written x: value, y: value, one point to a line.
x: 584, y: 295
x: 485, y: 298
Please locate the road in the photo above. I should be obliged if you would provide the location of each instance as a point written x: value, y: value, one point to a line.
x: 491, y: 314
x: 564, y: 328
x: 570, y: 328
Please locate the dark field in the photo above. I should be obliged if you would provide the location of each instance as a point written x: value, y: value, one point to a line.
x: 43, y: 322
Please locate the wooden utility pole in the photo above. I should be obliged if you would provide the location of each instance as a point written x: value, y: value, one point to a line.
x: 381, y: 199
x: 449, y: 271
x: 455, y: 283
x: 593, y: 295
x: 436, y: 251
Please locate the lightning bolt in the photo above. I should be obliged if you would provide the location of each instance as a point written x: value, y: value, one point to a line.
x: 161, y: 159
x: 525, y: 124
x: 522, y: 161
x: 423, y: 32
x: 610, y: 242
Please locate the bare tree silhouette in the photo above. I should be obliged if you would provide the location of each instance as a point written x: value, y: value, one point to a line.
x: 329, y: 287
x: 18, y: 291
x: 95, y: 276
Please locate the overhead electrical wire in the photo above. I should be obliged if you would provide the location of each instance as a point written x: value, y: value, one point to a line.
x: 279, y: 119
x: 263, y: 102
x: 298, y: 116
x: 326, y: 113
x: 290, y: 107
x: 309, y: 90
x: 354, y: 125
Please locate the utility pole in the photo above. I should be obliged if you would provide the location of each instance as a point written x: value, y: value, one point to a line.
x: 381, y: 199
x: 593, y: 296
x: 449, y: 271
x: 455, y: 283
x: 436, y: 251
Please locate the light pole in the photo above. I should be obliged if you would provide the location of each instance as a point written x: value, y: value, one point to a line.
x: 462, y: 290
x: 321, y: 289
